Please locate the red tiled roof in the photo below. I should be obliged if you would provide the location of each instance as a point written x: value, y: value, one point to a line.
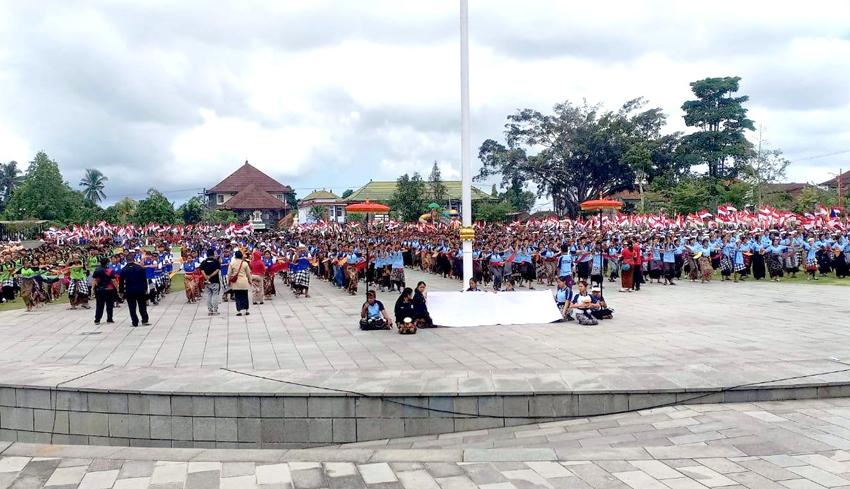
x: 833, y: 182
x: 248, y: 175
x: 253, y: 198
x: 793, y: 189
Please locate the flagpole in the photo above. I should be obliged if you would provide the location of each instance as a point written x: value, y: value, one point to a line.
x: 467, y: 232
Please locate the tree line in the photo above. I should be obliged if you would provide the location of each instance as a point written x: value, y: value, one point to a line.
x: 41, y: 193
x: 580, y: 151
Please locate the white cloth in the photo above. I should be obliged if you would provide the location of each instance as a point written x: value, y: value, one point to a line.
x: 467, y: 309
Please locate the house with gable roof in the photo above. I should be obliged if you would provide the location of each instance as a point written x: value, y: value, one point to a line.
x: 252, y: 195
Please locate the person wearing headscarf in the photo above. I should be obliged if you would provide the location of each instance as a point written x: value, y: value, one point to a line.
x: 258, y: 270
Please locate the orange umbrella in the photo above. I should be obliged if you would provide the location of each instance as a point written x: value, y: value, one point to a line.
x: 367, y: 207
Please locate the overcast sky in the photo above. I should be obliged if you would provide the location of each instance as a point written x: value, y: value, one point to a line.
x: 178, y: 93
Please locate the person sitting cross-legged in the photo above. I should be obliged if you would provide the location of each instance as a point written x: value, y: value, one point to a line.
x: 373, y: 315
x: 583, y: 305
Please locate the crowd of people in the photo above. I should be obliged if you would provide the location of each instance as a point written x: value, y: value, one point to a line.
x: 244, y: 268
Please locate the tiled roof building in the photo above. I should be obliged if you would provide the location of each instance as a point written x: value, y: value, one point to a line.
x: 251, y: 194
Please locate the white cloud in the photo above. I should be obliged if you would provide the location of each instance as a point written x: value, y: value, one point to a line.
x: 332, y: 93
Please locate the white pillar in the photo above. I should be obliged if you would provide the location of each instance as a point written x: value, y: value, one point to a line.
x: 466, y: 177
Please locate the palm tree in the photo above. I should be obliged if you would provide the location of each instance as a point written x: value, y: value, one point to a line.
x: 93, y: 184
x: 126, y: 208
x: 10, y: 178
x: 318, y: 211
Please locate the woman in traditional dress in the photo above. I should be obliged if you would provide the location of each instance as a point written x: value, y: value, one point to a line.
x: 258, y: 270
x: 727, y: 253
x: 78, y: 287
x: 628, y: 268
x: 420, y: 300
x: 757, y: 259
x: 656, y: 261
x: 31, y: 292
x: 774, y: 259
x: 301, y: 276
x: 396, y: 260
x: 268, y: 276
x: 7, y: 282
x: 190, y: 282
x: 705, y: 269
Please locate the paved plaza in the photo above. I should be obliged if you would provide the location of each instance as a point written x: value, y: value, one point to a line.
x: 772, y: 445
x: 714, y: 324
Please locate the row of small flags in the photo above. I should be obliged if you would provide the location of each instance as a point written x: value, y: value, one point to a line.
x: 103, y: 229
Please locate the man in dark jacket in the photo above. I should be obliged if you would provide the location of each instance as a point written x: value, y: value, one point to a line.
x: 134, y: 286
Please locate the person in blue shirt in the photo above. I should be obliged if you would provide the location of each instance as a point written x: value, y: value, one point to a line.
x: 563, y: 296
x: 840, y: 246
x: 774, y: 259
x: 669, y: 260
x: 496, y: 264
x: 549, y: 257
x: 396, y: 262
x: 565, y: 266
x: 811, y: 251
x: 373, y: 315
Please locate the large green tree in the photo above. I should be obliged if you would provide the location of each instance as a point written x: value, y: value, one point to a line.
x: 93, y: 183
x: 122, y: 212
x: 721, y: 119
x: 191, y: 211
x: 438, y: 188
x: 573, y: 154
x: 155, y: 209
x: 43, y: 194
x: 409, y: 199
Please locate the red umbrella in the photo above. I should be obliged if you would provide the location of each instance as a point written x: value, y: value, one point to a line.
x: 367, y: 207
x: 600, y: 204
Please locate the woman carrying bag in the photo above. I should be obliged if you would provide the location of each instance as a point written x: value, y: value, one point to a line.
x: 239, y: 281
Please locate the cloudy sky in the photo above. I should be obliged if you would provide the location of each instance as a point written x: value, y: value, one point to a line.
x: 177, y: 93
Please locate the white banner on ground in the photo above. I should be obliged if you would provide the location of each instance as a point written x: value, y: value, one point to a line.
x: 467, y: 309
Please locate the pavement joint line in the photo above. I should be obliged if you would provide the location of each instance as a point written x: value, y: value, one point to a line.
x: 84, y: 375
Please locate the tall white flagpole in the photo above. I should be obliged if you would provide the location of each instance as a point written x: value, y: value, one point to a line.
x: 467, y: 233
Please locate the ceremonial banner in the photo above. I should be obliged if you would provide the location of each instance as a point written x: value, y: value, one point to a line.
x: 467, y: 309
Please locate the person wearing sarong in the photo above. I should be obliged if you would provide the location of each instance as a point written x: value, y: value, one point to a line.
x: 811, y: 259
x: 268, y: 276
x: 190, y: 282
x: 727, y: 254
x: 628, y: 268
x: 496, y: 264
x: 656, y: 261
x: 258, y: 270
x: 7, y: 282
x: 396, y: 262
x: 78, y: 287
x: 840, y: 249
x: 757, y: 263
x: 31, y: 292
x: 706, y: 270
x: 669, y: 260
x: 301, y: 273
x: 774, y: 259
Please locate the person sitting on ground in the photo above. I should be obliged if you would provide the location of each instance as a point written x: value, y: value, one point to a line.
x: 473, y: 286
x: 420, y: 299
x: 509, y: 285
x: 583, y: 304
x: 563, y: 296
x: 604, y: 312
x: 373, y: 315
x: 405, y: 312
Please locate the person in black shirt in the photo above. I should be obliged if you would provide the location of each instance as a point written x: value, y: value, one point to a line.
x: 104, y: 291
x: 134, y: 288
x: 211, y: 268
